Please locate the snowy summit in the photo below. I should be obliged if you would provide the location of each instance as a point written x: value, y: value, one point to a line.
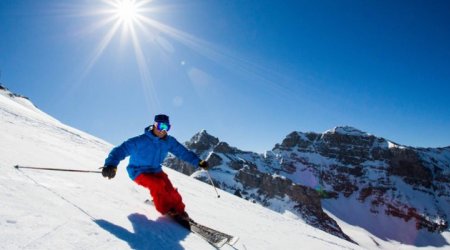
x: 347, y: 130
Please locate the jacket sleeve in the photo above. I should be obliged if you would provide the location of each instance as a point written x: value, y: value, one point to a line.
x: 119, y: 153
x: 182, y: 152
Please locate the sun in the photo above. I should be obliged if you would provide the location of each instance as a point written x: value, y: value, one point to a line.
x: 127, y: 11
x: 134, y: 26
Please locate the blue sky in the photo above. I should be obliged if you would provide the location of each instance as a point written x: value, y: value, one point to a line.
x: 249, y: 72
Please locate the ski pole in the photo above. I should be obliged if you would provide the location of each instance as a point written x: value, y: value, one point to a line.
x: 210, y: 179
x: 57, y: 169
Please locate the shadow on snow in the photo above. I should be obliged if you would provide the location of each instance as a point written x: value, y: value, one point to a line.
x: 147, y: 234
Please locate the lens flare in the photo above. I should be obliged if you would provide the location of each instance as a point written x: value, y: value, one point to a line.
x: 136, y: 23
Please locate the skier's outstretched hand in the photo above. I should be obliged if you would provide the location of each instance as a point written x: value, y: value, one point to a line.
x: 204, y: 165
x: 109, y: 171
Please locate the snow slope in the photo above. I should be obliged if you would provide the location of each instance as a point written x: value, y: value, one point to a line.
x: 65, y: 210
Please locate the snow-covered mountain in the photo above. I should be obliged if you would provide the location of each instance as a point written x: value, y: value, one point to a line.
x: 65, y: 210
x: 394, y: 192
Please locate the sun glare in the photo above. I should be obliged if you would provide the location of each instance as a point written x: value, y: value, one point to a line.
x: 133, y: 20
x: 127, y: 10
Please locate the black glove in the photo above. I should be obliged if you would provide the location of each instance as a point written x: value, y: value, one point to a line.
x: 109, y: 171
x: 204, y: 165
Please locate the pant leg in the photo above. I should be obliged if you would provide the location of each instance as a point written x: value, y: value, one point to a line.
x: 165, y: 196
x: 175, y: 198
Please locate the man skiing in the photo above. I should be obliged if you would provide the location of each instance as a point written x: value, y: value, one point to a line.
x: 147, y: 152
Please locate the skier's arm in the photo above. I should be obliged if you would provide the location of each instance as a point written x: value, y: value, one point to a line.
x: 119, y: 153
x: 183, y: 153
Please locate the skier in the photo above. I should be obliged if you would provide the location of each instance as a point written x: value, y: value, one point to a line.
x: 147, y: 152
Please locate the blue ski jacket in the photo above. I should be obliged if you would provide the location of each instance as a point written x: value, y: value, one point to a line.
x: 147, y: 152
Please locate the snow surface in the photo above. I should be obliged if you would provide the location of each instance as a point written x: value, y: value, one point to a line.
x: 65, y: 210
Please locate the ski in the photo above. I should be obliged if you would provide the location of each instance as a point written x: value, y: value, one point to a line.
x: 214, y: 237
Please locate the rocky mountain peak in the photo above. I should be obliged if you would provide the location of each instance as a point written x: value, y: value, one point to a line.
x: 202, y: 141
x: 298, y: 139
x: 338, y: 135
x: 347, y: 130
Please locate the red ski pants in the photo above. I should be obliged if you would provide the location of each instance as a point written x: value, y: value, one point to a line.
x: 165, y: 196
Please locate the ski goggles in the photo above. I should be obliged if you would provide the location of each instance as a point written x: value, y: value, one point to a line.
x: 161, y: 126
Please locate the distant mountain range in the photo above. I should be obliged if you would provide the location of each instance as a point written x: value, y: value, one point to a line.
x: 388, y: 188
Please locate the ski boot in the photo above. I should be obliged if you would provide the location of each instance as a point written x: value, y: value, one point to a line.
x: 181, y: 218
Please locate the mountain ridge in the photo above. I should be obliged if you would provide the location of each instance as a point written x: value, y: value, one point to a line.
x: 340, y: 163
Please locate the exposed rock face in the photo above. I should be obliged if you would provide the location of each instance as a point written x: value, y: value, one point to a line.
x: 180, y: 165
x: 202, y: 142
x: 342, y: 162
x: 307, y: 199
x: 356, y: 156
x: 254, y: 181
x: 407, y: 164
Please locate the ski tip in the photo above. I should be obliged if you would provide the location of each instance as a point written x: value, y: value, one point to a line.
x: 16, y: 166
x: 233, y: 241
x: 220, y: 243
